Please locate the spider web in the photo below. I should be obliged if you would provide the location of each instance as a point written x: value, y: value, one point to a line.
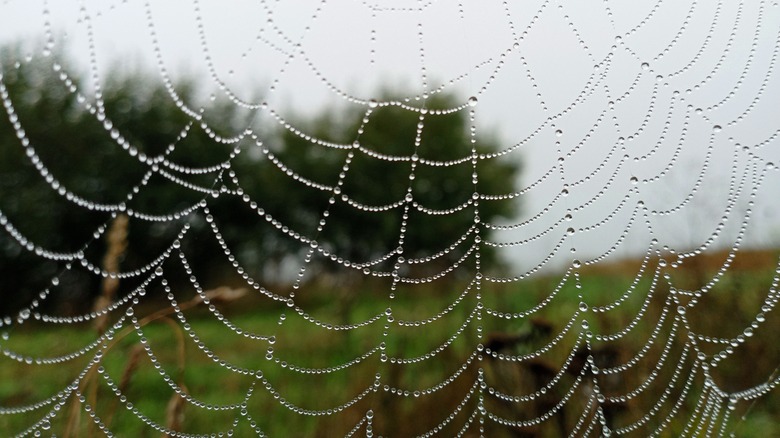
x: 650, y: 131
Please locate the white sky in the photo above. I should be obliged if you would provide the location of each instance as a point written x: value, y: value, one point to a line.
x: 339, y: 44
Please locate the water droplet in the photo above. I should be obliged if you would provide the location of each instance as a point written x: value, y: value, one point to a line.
x: 373, y: 103
x: 645, y: 66
x: 472, y: 101
x: 716, y: 128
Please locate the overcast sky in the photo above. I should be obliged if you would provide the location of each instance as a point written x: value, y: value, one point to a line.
x: 657, y: 65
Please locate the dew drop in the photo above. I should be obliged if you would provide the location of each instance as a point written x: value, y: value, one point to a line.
x: 472, y: 101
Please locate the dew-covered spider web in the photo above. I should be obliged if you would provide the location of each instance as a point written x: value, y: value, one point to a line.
x: 630, y: 290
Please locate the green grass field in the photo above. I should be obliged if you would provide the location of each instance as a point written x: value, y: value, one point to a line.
x: 726, y: 310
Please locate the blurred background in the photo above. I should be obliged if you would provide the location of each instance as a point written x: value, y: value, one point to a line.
x: 509, y: 220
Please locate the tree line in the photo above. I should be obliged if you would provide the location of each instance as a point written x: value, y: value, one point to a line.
x: 82, y: 152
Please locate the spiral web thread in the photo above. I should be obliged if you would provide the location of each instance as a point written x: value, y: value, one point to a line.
x: 640, y: 111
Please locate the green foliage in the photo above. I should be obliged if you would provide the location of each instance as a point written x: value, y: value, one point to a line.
x: 391, y: 131
x: 77, y: 142
x: 78, y: 150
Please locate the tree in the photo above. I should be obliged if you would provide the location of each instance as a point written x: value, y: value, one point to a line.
x: 83, y: 155
x: 390, y: 130
x: 80, y: 153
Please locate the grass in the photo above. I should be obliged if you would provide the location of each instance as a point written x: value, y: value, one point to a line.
x: 726, y: 310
